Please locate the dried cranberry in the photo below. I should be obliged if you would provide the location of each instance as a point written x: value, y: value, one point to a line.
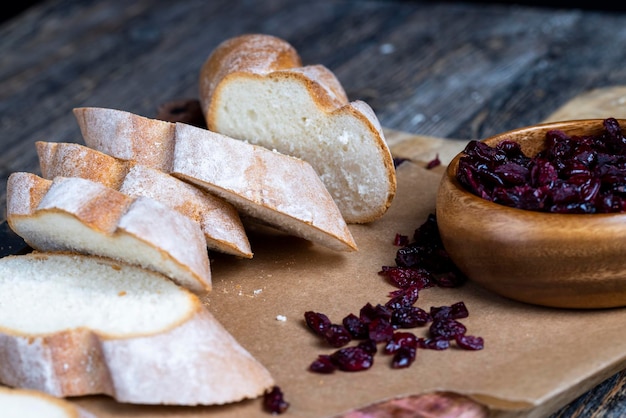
x: 370, y: 312
x: 455, y: 311
x: 446, y: 328
x: 403, y: 357
x: 380, y: 330
x: 437, y: 343
x: 403, y: 297
x: 400, y: 240
x: 469, y: 342
x: 409, y: 317
x: 355, y: 326
x: 433, y: 163
x: 317, y: 322
x: 323, y: 364
x: 368, y: 346
x: 352, y: 359
x: 337, y: 336
x: 274, y: 402
x: 400, y: 339
x: 403, y: 277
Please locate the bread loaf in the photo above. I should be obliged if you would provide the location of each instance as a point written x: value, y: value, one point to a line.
x: 80, y: 215
x: 278, y: 190
x: 219, y: 221
x: 75, y: 325
x: 254, y: 88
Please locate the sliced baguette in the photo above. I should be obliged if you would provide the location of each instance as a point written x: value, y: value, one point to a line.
x: 254, y: 88
x: 276, y: 189
x: 219, y: 220
x: 74, y: 325
x: 283, y: 191
x: 27, y: 403
x: 75, y: 214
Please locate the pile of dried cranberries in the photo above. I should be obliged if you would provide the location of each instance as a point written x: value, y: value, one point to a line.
x: 420, y: 264
x: 573, y: 174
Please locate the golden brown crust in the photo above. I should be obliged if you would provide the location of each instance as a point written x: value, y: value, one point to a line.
x: 75, y: 160
x: 218, y: 220
x: 255, y: 53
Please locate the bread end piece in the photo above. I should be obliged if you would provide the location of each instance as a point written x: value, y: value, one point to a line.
x: 300, y: 111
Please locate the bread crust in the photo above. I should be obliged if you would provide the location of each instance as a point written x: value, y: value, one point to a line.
x: 253, y: 57
x: 109, y: 215
x: 191, y: 361
x: 219, y: 220
x: 127, y: 136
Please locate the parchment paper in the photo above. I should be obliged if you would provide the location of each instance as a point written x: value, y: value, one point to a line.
x: 535, y: 359
x: 533, y: 356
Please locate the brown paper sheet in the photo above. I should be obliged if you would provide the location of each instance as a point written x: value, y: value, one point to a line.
x: 532, y: 355
x: 535, y: 359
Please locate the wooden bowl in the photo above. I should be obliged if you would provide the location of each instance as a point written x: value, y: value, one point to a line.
x: 557, y: 260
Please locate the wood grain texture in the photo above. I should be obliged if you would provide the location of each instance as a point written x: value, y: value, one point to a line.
x: 437, y: 69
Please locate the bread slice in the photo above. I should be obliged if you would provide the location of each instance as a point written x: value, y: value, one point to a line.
x: 275, y: 189
x: 27, y: 403
x: 284, y: 192
x: 75, y: 214
x: 219, y: 220
x: 253, y: 87
x: 149, y: 142
x: 74, y: 325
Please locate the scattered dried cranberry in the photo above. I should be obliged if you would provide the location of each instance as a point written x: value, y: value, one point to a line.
x: 380, y: 330
x: 403, y: 277
x: 323, y: 364
x: 420, y: 264
x: 274, y: 402
x: 356, y: 327
x: 369, y: 312
x: 454, y: 311
x: 433, y: 163
x: 400, y: 339
x: 400, y: 240
x: 318, y: 322
x: 572, y: 174
x: 437, y: 343
x: 337, y: 335
x: 404, y: 357
x: 368, y: 346
x: 352, y: 359
x: 446, y: 328
x: 469, y: 342
x: 409, y: 317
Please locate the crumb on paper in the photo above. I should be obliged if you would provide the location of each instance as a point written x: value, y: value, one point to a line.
x: 281, y: 318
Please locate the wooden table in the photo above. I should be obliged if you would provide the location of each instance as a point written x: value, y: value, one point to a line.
x: 441, y: 69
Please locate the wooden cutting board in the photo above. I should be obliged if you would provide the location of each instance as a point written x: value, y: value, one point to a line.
x: 535, y: 359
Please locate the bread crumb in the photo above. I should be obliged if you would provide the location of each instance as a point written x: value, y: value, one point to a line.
x: 281, y: 318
